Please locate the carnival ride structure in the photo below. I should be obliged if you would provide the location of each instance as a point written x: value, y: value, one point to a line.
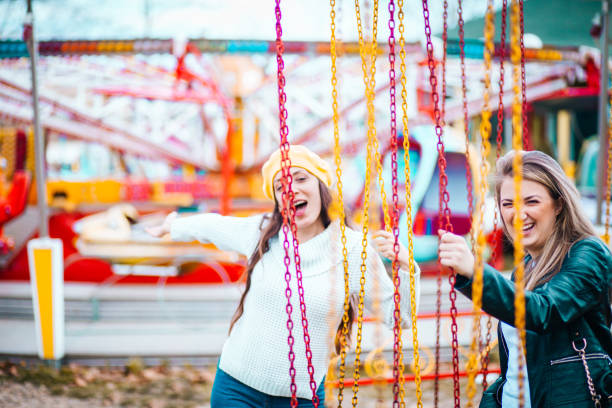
x: 459, y: 100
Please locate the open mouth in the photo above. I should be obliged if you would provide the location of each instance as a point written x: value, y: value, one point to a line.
x: 300, y: 206
x: 528, y: 227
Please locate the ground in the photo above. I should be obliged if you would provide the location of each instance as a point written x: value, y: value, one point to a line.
x: 158, y: 387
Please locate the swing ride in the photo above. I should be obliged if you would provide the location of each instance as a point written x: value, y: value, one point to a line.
x: 444, y: 161
x: 519, y: 142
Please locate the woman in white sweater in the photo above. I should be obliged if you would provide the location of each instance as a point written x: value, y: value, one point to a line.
x: 254, y: 365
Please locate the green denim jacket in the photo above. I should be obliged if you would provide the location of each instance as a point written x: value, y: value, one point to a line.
x: 573, y: 305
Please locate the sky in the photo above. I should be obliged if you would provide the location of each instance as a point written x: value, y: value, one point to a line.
x: 231, y: 19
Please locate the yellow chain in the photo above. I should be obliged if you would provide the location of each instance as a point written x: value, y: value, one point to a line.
x: 485, y: 147
x: 412, y: 272
x: 366, y: 199
x: 375, y: 364
x: 517, y: 145
x: 338, y: 162
x: 606, y: 236
x: 370, y: 85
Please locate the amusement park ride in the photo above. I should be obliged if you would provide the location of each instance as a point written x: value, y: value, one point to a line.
x: 175, y: 130
x: 212, y: 142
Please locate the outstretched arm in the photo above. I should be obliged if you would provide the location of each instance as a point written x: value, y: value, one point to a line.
x: 238, y: 234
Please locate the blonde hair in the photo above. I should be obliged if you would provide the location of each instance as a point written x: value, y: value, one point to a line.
x: 570, y: 225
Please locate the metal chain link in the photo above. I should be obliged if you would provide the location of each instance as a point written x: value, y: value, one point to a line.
x: 439, y: 275
x: 606, y: 236
x: 369, y: 89
x: 288, y: 213
x: 500, y: 116
x: 286, y: 174
x: 338, y: 163
x: 398, y: 357
x: 517, y: 144
x: 526, y: 145
x: 484, y: 359
x: 406, y: 144
x: 466, y: 128
x: 444, y: 54
x: 497, y: 244
x: 582, y: 353
x: 485, y: 133
x: 444, y: 212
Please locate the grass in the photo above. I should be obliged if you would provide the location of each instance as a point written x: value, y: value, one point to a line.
x: 133, y: 386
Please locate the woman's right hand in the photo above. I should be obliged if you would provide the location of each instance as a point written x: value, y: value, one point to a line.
x: 163, y: 230
x: 384, y: 242
x: 455, y: 253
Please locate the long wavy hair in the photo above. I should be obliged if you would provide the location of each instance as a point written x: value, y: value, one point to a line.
x: 270, y: 226
x: 570, y: 224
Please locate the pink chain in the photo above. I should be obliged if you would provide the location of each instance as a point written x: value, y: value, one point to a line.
x: 444, y: 41
x: 397, y: 355
x: 444, y: 220
x: 288, y: 213
x: 439, y: 275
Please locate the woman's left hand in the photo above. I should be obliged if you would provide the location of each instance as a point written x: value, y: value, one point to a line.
x: 384, y: 242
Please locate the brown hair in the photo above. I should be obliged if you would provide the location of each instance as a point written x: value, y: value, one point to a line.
x: 273, y: 224
x: 570, y: 225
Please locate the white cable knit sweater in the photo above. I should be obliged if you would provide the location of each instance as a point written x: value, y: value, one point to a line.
x: 256, y: 351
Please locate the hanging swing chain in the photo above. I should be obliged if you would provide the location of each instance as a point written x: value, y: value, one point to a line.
x: 485, y: 132
x: 606, y: 236
x: 398, y: 374
x: 369, y: 89
x: 440, y: 214
x: 524, y: 82
x: 406, y: 144
x: 444, y: 221
x: 517, y: 143
x: 500, y: 128
x: 444, y: 41
x: 370, y: 86
x: 466, y: 129
x: 289, y: 223
x: 286, y: 174
x: 338, y: 163
x: 500, y: 113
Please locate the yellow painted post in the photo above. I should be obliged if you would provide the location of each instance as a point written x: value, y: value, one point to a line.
x: 564, y: 138
x: 47, y: 282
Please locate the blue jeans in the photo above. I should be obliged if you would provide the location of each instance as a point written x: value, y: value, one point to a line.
x: 228, y: 392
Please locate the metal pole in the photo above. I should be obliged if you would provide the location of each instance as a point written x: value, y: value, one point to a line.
x: 603, y: 110
x: 39, y: 140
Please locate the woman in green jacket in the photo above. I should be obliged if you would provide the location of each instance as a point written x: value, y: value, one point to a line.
x: 567, y: 280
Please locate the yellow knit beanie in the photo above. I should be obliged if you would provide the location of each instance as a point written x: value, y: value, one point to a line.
x: 300, y: 157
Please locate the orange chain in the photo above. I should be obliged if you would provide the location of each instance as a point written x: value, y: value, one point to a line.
x: 338, y: 162
x: 606, y: 236
x: 485, y: 147
x: 366, y: 205
x: 466, y: 129
x: 517, y: 144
